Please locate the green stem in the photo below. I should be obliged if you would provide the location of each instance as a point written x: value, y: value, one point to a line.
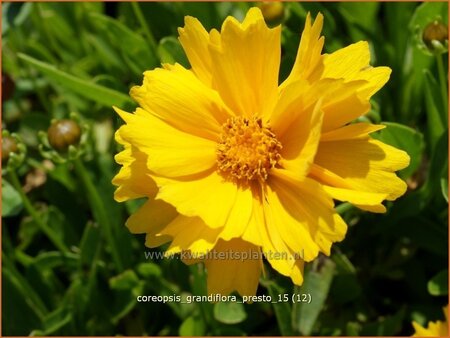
x: 343, y: 207
x: 99, y: 211
x: 52, y: 236
x: 143, y: 23
x: 283, y: 310
x: 443, y: 84
x: 199, y: 288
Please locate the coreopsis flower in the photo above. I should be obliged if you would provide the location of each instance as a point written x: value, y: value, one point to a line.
x: 435, y: 329
x: 234, y: 163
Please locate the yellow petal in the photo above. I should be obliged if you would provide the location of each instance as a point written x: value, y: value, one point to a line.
x: 434, y: 329
x: 343, y: 190
x: 261, y: 231
x: 379, y: 208
x: 300, y: 142
x: 228, y: 275
x: 365, y: 164
x: 376, y: 78
x: 153, y: 240
x: 188, y: 258
x: 352, y: 131
x: 240, y: 214
x: 190, y: 233
x: 246, y: 64
x: 151, y: 217
x: 207, y: 196
x: 352, y: 63
x: 255, y: 231
x: 293, y: 231
x: 346, y: 62
x: 327, y: 177
x: 132, y: 180
x: 342, y: 104
x: 179, y: 98
x: 364, y: 200
x: 297, y: 272
x: 170, y: 151
x: 309, y: 51
x: 293, y: 101
x: 194, y: 39
x: 310, y: 207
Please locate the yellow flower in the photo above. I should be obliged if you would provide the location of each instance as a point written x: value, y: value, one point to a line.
x: 434, y: 329
x: 236, y: 164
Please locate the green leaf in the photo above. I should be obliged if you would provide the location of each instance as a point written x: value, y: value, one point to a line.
x: 126, y: 280
x: 53, y: 259
x: 359, y: 14
x: 22, y: 285
x: 444, y: 187
x: 147, y: 270
x: 282, y: 310
x: 438, y: 285
x: 127, y: 287
x: 133, y: 47
x: 343, y: 264
x: 171, y: 51
x: 387, y: 326
x: 229, y: 312
x: 23, y: 314
x: 90, y: 244
x: 192, y: 326
x: 5, y: 23
x: 438, y: 164
x: 444, y: 180
x: 317, y: 284
x: 11, y: 201
x: 404, y: 138
x: 107, y: 54
x: 95, y: 92
x: 353, y: 329
x: 56, y: 320
x: 23, y: 14
x: 435, y: 110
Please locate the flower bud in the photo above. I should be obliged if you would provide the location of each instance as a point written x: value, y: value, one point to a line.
x: 435, y: 31
x: 9, y: 145
x: 63, y: 133
x: 272, y: 11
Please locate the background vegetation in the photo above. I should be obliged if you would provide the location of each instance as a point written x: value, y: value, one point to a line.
x: 63, y: 274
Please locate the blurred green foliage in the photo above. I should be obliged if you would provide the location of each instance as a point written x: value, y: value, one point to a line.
x: 83, y: 57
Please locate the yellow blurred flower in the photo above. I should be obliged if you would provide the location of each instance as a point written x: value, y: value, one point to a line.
x: 233, y: 162
x: 434, y: 329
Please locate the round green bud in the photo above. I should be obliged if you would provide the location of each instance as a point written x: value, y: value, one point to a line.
x: 435, y: 31
x: 63, y: 133
x: 272, y: 11
x: 9, y: 145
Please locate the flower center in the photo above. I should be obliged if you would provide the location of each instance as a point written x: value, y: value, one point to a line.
x: 247, y: 150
